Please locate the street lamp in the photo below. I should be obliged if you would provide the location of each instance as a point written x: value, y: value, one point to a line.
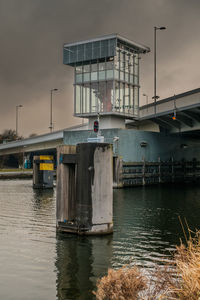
x: 155, y: 97
x: 17, y: 111
x: 51, y: 111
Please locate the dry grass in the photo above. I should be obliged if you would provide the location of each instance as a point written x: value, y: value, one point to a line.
x: 121, y: 284
x: 187, y: 262
x: 178, y: 280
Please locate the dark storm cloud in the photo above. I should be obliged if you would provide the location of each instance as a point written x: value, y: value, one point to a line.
x: 33, y: 32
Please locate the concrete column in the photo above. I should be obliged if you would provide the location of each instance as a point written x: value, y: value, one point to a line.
x: 84, y: 188
x: 43, y: 168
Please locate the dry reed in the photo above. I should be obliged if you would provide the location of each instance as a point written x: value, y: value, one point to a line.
x: 179, y: 279
x: 122, y: 284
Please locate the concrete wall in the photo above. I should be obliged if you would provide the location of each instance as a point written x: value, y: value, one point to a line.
x: 130, y: 141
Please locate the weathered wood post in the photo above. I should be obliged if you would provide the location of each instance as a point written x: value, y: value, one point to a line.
x: 43, y: 168
x: 84, y: 188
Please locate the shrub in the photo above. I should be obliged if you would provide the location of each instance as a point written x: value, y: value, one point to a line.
x: 179, y: 279
x: 122, y: 284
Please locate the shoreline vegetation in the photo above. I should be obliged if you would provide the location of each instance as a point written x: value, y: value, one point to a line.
x: 179, y: 278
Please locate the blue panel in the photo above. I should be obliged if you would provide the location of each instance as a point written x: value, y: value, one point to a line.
x: 158, y: 145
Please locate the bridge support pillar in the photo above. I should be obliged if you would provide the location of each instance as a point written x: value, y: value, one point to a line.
x: 43, y: 168
x: 84, y: 203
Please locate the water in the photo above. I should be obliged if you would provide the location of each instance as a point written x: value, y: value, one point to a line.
x: 36, y: 263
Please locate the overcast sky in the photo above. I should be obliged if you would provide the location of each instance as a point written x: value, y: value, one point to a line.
x: 32, y: 34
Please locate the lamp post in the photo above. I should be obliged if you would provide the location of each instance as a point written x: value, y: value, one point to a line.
x: 51, y: 110
x: 17, y: 117
x: 155, y: 97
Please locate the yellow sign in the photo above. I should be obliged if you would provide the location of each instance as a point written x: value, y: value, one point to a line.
x: 46, y: 167
x: 46, y: 157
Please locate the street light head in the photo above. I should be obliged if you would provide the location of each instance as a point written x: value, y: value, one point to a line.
x: 159, y: 28
x: 54, y: 90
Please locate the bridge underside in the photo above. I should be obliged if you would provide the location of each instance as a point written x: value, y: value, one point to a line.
x: 43, y: 147
x: 185, y: 121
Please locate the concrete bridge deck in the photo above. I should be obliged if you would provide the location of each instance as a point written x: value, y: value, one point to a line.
x: 176, y: 114
x: 179, y: 113
x: 40, y: 143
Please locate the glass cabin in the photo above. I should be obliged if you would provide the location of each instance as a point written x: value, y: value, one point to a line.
x: 106, y: 76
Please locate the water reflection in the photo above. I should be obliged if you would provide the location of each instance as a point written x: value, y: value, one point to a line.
x: 42, y: 198
x: 80, y: 261
x: 38, y: 264
x: 146, y: 225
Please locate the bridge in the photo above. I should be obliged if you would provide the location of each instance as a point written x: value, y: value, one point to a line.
x: 176, y: 114
x: 41, y: 143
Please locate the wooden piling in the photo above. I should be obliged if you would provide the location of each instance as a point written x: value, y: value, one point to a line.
x: 84, y: 188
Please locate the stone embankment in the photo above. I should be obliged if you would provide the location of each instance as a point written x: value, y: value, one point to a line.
x: 15, y: 174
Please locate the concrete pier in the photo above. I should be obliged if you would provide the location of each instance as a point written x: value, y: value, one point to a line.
x: 84, y: 188
x: 43, y: 168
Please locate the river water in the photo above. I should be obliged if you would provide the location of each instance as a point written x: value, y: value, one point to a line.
x: 38, y: 264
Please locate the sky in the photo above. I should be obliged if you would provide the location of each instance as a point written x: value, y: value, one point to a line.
x: 32, y: 34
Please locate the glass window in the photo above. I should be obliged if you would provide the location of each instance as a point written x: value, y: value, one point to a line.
x: 102, y: 97
x: 86, y: 68
x: 136, y: 81
x: 117, y: 74
x: 109, y: 74
x: 109, y: 65
x: 136, y: 100
x: 79, y: 78
x: 112, y: 47
x: 122, y: 75
x: 121, y: 61
x: 88, y: 51
x: 79, y: 69
x: 117, y: 97
x: 136, y: 58
x: 126, y: 99
x: 136, y: 69
x: 126, y: 77
x: 80, y: 52
x: 94, y: 67
x: 93, y: 76
x: 131, y: 63
x: 94, y: 96
x: 131, y: 99
x: 121, y: 99
x: 86, y: 99
x: 104, y: 48
x: 96, y: 50
x: 102, y: 66
x: 102, y: 75
x: 86, y: 77
x: 116, y: 61
x: 109, y: 96
x: 131, y: 79
x: 126, y: 62
x: 78, y: 99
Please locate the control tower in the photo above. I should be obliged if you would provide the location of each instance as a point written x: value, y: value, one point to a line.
x: 106, y: 79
